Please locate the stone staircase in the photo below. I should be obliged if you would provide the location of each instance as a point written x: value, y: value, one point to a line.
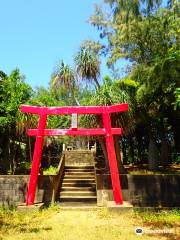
x: 78, y: 185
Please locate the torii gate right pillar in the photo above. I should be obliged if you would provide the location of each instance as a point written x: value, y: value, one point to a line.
x: 112, y: 159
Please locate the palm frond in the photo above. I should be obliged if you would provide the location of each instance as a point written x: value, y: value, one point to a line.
x: 87, y: 65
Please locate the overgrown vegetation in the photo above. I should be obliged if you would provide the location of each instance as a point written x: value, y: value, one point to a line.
x: 55, y: 223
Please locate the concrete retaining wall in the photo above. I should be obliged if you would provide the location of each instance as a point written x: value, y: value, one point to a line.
x: 13, y: 189
x: 142, y: 190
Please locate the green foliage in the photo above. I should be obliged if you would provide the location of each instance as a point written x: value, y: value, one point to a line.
x: 44, y: 97
x: 111, y: 92
x: 137, y: 31
x: 147, y: 34
x: 93, y: 46
x: 158, y: 84
x: 13, y: 92
x: 126, y: 82
x: 50, y: 171
x: 2, y: 75
x: 177, y: 98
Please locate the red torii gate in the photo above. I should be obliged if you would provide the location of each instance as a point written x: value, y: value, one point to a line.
x: 106, y: 131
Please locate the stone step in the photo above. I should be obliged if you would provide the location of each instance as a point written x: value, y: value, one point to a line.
x: 78, y: 177
x: 79, y: 167
x: 66, y: 188
x: 79, y: 184
x: 84, y: 199
x: 85, y: 206
x: 79, y: 173
x: 77, y: 194
x: 77, y: 180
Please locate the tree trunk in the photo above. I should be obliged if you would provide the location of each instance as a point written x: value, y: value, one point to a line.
x: 103, y: 146
x: 176, y: 132
x: 131, y: 149
x: 13, y: 156
x: 139, y: 148
x: 76, y: 101
x: 174, y: 118
x: 97, y: 83
x: 164, y: 151
x: 124, y: 146
x: 121, y: 168
x: 152, y: 155
x: 30, y: 150
x: 6, y: 154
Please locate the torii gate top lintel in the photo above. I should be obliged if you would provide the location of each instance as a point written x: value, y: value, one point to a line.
x: 74, y: 109
x: 107, y: 131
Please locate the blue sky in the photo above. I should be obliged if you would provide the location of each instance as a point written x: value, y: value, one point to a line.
x: 36, y: 34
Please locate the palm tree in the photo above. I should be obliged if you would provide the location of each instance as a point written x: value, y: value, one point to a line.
x: 88, y: 65
x: 64, y: 75
x: 2, y: 75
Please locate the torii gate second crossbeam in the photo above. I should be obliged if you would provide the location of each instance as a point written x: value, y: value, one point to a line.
x: 106, y: 131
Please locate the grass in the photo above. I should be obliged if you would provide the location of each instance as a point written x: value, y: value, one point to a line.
x: 54, y: 223
x: 50, y: 171
x: 143, y: 169
x: 149, y: 172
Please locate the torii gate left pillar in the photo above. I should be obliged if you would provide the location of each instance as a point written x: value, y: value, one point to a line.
x: 107, y: 131
x: 36, y: 160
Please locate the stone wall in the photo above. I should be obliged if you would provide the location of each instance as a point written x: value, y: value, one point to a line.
x: 142, y: 190
x: 13, y: 189
x: 79, y: 157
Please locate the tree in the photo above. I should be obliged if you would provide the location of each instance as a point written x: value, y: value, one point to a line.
x: 88, y: 65
x: 64, y: 76
x: 13, y: 93
x: 156, y: 90
x: 147, y: 34
x: 137, y: 31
